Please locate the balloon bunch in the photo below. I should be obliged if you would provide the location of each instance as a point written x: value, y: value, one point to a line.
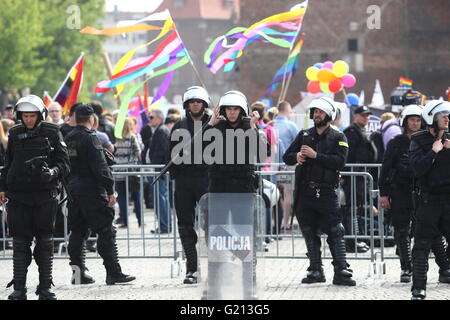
x: 329, y: 77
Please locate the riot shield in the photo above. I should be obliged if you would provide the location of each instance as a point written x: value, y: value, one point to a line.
x: 231, y: 232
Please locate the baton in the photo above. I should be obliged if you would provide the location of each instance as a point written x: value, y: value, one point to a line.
x: 170, y: 163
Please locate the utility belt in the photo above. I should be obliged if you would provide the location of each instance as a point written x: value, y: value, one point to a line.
x: 317, y: 186
x: 435, y: 197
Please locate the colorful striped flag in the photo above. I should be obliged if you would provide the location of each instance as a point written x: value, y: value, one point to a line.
x: 47, y: 99
x: 405, y: 82
x: 259, y: 31
x: 68, y: 92
x: 289, y: 67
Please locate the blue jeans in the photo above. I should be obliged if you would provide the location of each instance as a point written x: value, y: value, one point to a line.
x: 122, y: 200
x: 161, y: 202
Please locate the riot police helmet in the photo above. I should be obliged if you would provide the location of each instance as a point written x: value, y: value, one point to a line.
x: 411, y: 110
x: 327, y: 105
x: 196, y: 93
x: 31, y: 103
x: 433, y: 109
x: 234, y: 98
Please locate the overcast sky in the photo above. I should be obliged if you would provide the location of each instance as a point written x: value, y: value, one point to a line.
x: 133, y: 5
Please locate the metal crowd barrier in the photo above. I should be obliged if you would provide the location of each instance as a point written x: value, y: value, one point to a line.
x: 140, y: 243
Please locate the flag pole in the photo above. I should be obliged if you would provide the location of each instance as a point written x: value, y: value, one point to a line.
x: 109, y: 70
x: 170, y: 163
x: 285, y: 65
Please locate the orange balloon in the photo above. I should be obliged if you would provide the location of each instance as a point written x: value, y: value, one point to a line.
x: 325, y: 75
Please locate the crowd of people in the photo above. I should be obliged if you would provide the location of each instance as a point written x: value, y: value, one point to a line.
x: 76, y: 147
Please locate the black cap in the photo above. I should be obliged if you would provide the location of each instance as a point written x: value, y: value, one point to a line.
x: 84, y: 110
x: 362, y: 110
x: 9, y: 106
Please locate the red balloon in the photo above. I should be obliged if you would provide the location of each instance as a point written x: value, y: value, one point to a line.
x: 335, y: 85
x: 313, y: 87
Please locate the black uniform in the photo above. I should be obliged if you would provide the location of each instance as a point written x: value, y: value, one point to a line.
x: 90, y: 182
x: 433, y: 214
x: 360, y: 150
x: 315, y: 199
x: 191, y: 183
x: 397, y: 182
x: 32, y: 197
x: 234, y: 177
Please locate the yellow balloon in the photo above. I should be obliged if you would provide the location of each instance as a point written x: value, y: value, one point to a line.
x: 324, y: 87
x: 311, y: 73
x: 325, y: 75
x: 340, y: 68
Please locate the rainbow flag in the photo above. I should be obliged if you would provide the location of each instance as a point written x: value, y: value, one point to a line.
x: 47, y: 99
x: 68, y: 92
x: 290, y: 23
x: 405, y: 82
x: 289, y: 67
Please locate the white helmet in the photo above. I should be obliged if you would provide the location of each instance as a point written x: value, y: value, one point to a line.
x: 411, y: 110
x: 196, y: 92
x: 31, y: 103
x: 326, y: 105
x: 234, y: 99
x: 433, y: 108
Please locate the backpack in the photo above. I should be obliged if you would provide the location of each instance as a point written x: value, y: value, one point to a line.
x: 377, y: 138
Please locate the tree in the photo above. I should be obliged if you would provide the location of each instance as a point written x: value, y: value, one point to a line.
x: 21, y: 37
x: 68, y: 43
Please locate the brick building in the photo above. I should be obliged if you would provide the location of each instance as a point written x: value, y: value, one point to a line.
x: 412, y: 42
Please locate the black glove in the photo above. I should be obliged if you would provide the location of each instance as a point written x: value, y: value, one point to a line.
x: 48, y: 174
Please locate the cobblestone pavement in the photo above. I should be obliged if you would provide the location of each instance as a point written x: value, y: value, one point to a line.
x: 281, y: 277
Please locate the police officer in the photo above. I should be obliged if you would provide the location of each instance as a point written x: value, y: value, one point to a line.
x: 360, y: 150
x: 191, y: 179
x: 396, y: 185
x: 429, y: 156
x: 36, y: 157
x: 92, y: 187
x: 320, y: 152
x: 235, y: 174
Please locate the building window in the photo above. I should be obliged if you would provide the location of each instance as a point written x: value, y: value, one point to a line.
x: 179, y: 3
x: 324, y: 57
x: 352, y: 45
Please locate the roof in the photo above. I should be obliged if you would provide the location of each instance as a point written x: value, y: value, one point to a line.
x: 202, y: 9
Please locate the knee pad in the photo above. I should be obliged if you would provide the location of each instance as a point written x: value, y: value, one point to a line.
x: 337, y: 231
x: 422, y: 244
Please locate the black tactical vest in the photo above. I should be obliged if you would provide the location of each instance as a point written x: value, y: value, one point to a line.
x: 31, y: 151
x: 313, y: 171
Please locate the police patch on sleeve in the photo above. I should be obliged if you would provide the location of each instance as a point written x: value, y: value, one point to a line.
x: 343, y: 144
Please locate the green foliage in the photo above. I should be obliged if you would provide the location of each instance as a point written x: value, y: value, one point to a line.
x: 21, y: 37
x: 39, y: 44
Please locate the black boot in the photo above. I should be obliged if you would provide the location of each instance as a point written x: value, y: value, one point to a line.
x: 403, y: 242
x: 21, y: 261
x: 315, y: 271
x: 191, y: 278
x: 79, y: 274
x: 342, y: 275
x: 43, y: 255
x: 420, y: 268
x: 438, y: 247
x: 418, y: 294
x: 188, y: 239
x: 114, y: 275
x: 107, y: 248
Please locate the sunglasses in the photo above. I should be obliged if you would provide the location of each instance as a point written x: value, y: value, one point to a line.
x: 195, y: 101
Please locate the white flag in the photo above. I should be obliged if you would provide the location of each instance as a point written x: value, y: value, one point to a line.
x: 377, y: 98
